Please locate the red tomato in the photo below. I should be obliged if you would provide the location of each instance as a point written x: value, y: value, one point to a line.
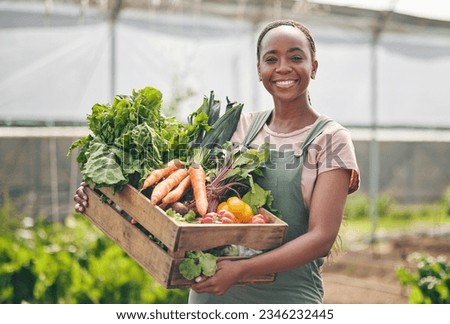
x: 226, y: 220
x: 210, y: 214
x: 225, y: 213
x: 264, y: 218
x: 207, y: 220
x: 257, y: 220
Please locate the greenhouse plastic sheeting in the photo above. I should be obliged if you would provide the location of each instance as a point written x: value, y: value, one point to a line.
x: 56, y: 71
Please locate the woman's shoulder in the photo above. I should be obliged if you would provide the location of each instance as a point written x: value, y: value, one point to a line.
x: 245, y: 121
x: 335, y: 128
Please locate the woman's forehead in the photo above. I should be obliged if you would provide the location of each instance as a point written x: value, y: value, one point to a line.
x: 284, y: 33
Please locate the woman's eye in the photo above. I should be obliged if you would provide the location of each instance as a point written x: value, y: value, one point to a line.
x: 296, y: 58
x: 271, y: 59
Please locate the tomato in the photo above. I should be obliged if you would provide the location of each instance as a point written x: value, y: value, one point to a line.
x: 235, y: 205
x: 225, y: 213
x: 207, y: 220
x: 258, y: 219
x: 226, y: 220
x: 222, y: 206
x: 210, y: 218
x: 210, y: 214
x: 264, y: 218
x: 240, y: 209
x: 247, y: 214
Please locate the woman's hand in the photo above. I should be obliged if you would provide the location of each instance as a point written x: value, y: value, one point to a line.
x: 228, y: 273
x: 80, y: 198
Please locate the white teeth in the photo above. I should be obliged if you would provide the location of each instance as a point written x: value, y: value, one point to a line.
x: 284, y: 83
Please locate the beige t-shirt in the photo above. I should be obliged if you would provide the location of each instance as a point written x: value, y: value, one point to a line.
x: 332, y: 149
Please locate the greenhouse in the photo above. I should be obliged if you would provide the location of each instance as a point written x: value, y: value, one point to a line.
x: 383, y: 74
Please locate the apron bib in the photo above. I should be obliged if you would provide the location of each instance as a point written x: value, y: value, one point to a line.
x: 282, y: 175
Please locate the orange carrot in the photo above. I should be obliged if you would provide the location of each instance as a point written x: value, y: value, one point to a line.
x: 165, y: 186
x: 158, y: 174
x: 176, y: 194
x: 198, y: 182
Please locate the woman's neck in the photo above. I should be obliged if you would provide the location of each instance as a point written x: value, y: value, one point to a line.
x: 288, y: 118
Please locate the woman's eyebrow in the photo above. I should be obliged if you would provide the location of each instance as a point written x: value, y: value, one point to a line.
x: 292, y: 49
x: 295, y: 49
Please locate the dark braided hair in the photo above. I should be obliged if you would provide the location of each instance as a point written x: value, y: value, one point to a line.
x: 286, y: 22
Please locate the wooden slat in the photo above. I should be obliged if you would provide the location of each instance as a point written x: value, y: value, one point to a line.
x: 150, y: 217
x: 178, y: 237
x: 208, y: 236
x: 181, y: 237
x: 135, y: 243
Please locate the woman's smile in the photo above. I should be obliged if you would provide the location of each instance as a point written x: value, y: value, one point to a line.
x: 284, y: 83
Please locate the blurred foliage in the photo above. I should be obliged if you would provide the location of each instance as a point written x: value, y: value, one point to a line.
x: 73, y: 262
x: 429, y: 279
x: 9, y: 216
x: 70, y: 262
x: 358, y: 208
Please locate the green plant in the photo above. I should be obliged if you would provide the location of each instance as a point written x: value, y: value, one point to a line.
x: 9, y: 216
x: 384, y: 204
x: 445, y: 201
x: 429, y: 282
x: 357, y: 207
x: 73, y: 263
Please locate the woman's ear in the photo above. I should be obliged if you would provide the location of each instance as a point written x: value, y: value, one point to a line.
x: 315, y: 66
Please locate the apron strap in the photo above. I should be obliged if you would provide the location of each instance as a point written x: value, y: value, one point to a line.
x: 261, y: 119
x: 256, y: 126
x: 316, y: 130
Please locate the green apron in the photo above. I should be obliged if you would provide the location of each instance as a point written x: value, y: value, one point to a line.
x: 282, y: 175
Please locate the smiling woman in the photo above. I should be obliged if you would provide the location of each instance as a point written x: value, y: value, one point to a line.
x: 312, y: 169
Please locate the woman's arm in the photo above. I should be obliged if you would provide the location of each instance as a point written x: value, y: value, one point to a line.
x: 326, y: 212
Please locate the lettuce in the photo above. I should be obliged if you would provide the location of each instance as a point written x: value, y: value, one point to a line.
x: 198, y: 263
x: 129, y: 138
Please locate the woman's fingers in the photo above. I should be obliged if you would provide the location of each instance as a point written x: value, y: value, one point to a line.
x: 79, y: 208
x: 80, y: 198
x: 201, y: 284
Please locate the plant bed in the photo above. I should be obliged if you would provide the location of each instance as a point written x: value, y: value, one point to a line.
x: 159, y: 243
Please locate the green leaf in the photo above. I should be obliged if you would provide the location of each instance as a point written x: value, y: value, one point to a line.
x: 256, y: 198
x: 208, y: 262
x: 190, y: 269
x: 102, y: 167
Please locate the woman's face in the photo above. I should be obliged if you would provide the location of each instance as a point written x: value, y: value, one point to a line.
x: 286, y: 65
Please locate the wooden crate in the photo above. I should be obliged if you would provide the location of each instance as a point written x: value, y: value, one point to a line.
x: 113, y: 219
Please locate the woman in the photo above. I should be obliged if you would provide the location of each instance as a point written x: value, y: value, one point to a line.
x: 311, y: 170
x: 309, y: 189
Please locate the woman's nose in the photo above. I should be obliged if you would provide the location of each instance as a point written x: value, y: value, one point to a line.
x: 283, y: 66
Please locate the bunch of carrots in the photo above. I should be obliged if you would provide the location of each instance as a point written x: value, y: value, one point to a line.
x: 173, y: 181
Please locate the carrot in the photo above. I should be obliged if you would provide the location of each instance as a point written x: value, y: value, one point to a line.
x: 158, y: 174
x: 165, y: 186
x: 176, y: 194
x: 198, y: 182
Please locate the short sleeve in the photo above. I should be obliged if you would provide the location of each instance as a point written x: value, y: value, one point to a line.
x: 335, y: 150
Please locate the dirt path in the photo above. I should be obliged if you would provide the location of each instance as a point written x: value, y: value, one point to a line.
x: 367, y: 276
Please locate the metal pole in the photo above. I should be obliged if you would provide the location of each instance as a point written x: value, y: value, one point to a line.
x: 374, y: 145
x: 54, y: 178
x: 112, y: 85
x: 114, y: 13
x: 374, y: 173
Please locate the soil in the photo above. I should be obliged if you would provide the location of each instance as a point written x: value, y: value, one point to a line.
x: 366, y: 273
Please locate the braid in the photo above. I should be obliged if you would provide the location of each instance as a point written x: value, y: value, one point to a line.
x: 286, y: 22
